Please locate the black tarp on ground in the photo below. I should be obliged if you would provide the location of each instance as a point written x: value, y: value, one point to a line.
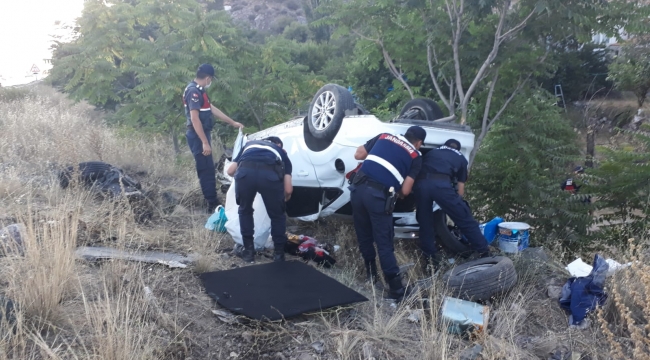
x: 276, y: 290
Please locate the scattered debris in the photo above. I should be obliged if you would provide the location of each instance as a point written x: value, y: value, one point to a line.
x: 583, y: 325
x: 561, y: 353
x: 234, y: 355
x: 309, y: 248
x: 579, y: 268
x: 319, y: 346
x: 11, y: 240
x: 581, y: 295
x: 225, y: 316
x: 172, y: 263
x: 169, y: 259
x: 7, y: 310
x: 471, y: 353
x: 415, y: 315
x: 462, y: 316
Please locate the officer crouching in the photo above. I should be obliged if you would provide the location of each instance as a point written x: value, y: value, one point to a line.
x: 439, y: 167
x: 392, y: 162
x: 262, y: 167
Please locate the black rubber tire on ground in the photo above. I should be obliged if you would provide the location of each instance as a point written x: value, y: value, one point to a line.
x: 343, y: 104
x: 481, y: 279
x: 428, y: 109
x: 451, y: 242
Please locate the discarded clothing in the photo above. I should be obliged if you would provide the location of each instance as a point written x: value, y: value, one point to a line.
x: 309, y: 248
x: 581, y: 295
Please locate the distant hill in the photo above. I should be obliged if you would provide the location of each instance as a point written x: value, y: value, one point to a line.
x: 267, y: 15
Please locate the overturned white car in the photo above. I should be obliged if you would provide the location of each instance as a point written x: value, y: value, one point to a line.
x: 321, y: 147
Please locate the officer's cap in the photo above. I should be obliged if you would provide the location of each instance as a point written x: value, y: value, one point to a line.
x: 206, y: 69
x: 417, y: 132
x: 275, y: 140
x: 453, y: 143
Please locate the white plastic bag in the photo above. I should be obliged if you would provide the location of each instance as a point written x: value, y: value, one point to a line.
x: 262, y: 237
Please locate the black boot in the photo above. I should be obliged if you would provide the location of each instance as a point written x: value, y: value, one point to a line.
x: 430, y: 264
x: 248, y: 254
x: 371, y: 272
x: 396, y: 290
x: 278, y: 256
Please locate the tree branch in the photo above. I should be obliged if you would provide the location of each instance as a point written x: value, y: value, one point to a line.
x: 394, y: 70
x: 435, y: 81
x: 505, y: 105
x: 517, y: 28
x: 488, y: 102
x: 455, y: 48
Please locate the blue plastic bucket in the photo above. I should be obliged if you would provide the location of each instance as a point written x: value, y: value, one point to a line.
x: 513, y: 236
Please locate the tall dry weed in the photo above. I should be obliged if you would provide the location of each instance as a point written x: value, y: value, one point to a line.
x: 625, y: 319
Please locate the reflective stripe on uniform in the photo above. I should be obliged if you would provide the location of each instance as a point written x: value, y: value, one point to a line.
x: 208, y: 109
x: 264, y: 147
x: 388, y: 166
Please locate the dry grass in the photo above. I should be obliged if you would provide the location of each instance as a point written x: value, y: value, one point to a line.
x: 73, y: 309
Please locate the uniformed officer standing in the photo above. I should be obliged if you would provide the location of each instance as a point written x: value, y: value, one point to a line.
x: 391, y: 162
x: 439, y: 167
x: 199, y: 112
x: 262, y: 167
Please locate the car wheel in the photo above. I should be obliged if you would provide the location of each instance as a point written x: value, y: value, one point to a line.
x: 481, y: 279
x: 421, y: 109
x: 327, y: 110
x: 449, y: 236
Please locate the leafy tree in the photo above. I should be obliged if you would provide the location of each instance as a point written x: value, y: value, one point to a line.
x: 631, y: 69
x: 141, y: 53
x: 621, y: 184
x: 478, y: 54
x: 581, y: 70
x: 517, y: 174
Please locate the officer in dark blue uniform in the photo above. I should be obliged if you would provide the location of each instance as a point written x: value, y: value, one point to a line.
x: 392, y: 162
x: 199, y: 112
x: 262, y: 167
x: 439, y: 168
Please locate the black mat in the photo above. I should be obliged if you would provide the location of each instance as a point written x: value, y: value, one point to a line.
x: 276, y: 290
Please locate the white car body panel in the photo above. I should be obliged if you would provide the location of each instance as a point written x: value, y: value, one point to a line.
x: 317, y: 169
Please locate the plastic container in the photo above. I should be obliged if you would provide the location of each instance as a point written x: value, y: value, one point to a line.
x: 489, y: 229
x: 513, y: 236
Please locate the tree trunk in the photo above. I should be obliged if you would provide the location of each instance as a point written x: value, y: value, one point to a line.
x: 177, y: 148
x: 591, y: 147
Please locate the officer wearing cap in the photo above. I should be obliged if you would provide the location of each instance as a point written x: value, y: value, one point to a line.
x: 199, y: 113
x: 262, y: 167
x: 392, y: 162
x: 439, y: 168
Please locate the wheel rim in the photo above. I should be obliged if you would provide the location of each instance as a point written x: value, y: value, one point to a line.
x: 322, y: 113
x: 474, y: 269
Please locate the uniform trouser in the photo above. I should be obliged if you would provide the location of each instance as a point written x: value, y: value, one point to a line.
x: 374, y: 226
x: 249, y: 182
x: 204, y: 166
x: 440, y: 191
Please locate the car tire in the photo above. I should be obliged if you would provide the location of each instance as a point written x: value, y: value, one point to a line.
x: 451, y: 242
x: 325, y: 124
x: 425, y: 109
x: 481, y: 279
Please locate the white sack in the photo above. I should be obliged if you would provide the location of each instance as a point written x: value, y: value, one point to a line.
x: 262, y: 237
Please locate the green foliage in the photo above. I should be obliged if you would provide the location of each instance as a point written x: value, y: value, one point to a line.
x: 631, y: 69
x: 581, y: 70
x: 621, y: 184
x: 519, y: 170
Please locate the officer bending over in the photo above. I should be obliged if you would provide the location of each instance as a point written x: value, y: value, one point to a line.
x: 439, y: 167
x: 262, y: 167
x: 391, y: 165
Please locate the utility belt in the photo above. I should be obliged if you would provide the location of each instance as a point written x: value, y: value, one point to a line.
x: 434, y: 176
x: 391, y: 196
x: 277, y: 168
